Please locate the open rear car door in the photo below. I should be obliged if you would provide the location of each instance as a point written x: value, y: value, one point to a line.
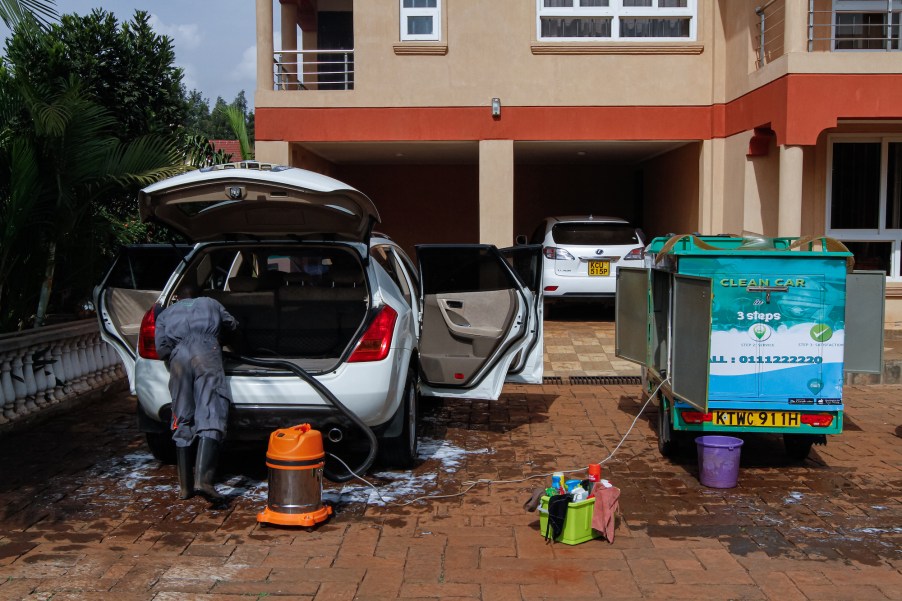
x: 481, y: 319
x: 128, y: 290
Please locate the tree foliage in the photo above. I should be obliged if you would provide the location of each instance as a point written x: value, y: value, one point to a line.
x: 222, y: 122
x: 63, y: 160
x: 89, y: 113
x: 126, y: 68
x: 91, y: 110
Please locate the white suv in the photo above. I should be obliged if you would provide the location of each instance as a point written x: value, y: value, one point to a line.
x: 292, y: 255
x: 583, y: 253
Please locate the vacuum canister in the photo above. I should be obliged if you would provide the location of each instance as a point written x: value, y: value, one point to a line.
x: 295, y: 459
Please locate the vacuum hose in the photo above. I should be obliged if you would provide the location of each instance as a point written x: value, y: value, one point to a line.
x: 327, y: 395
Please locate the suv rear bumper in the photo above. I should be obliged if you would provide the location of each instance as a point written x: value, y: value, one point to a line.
x: 257, y: 422
x: 372, y: 390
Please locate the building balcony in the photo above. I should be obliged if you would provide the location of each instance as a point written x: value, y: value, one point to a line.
x: 830, y: 26
x: 313, y: 69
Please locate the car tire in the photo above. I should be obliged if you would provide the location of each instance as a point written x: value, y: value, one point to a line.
x: 401, y: 451
x: 162, y: 447
x: 797, y: 446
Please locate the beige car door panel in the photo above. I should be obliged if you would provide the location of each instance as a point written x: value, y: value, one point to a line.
x: 480, y: 317
x: 131, y: 287
x: 126, y: 309
x: 476, y: 314
x: 461, y: 330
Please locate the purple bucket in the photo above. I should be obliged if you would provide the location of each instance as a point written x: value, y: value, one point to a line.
x: 718, y: 460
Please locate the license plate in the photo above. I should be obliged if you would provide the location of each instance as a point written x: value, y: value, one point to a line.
x: 599, y: 268
x: 755, y: 419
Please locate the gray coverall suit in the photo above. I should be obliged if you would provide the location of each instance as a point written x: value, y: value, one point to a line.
x: 187, y: 334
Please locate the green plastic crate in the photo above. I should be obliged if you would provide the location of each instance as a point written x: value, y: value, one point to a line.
x: 577, y: 526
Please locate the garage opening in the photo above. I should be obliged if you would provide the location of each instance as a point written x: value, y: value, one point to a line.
x: 653, y: 185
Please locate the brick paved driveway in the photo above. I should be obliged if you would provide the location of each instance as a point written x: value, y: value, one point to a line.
x: 85, y: 513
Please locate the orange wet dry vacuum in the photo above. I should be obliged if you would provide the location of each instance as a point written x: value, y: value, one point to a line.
x: 295, y: 459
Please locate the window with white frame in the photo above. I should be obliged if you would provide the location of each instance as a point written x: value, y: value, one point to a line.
x: 864, y: 200
x: 617, y: 20
x: 421, y: 20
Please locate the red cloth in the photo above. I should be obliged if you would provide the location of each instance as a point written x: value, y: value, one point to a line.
x: 607, y: 503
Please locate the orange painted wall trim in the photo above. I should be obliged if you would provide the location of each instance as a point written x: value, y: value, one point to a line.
x: 476, y: 123
x: 797, y: 107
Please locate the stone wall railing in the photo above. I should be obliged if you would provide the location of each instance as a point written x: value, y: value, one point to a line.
x: 43, y: 367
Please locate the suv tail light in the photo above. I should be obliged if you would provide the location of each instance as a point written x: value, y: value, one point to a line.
x: 376, y: 341
x: 147, y: 346
x: 637, y: 254
x: 552, y: 252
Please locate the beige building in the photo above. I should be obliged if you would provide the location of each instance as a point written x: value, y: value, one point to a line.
x: 470, y: 120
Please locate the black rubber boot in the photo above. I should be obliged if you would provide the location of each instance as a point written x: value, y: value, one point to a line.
x: 205, y: 470
x: 185, y: 457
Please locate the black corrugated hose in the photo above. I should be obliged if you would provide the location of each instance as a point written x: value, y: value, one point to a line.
x: 328, y: 396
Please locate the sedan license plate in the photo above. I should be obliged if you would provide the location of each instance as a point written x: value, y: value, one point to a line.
x: 761, y: 419
x: 599, y: 268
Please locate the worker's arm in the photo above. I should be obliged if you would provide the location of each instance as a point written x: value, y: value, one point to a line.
x: 164, y: 342
x: 228, y: 320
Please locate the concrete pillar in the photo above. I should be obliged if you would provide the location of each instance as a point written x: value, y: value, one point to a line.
x: 309, y: 41
x: 264, y: 45
x: 789, y: 215
x: 705, y: 188
x: 496, y: 192
x: 289, y: 21
x: 277, y: 152
x: 795, y: 27
x: 711, y: 217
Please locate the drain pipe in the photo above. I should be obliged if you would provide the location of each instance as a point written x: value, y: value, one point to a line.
x: 328, y: 396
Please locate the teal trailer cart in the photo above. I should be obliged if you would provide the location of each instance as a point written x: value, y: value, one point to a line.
x: 749, y: 334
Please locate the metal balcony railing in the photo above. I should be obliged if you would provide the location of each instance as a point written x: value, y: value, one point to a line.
x: 771, y: 25
x: 844, y: 26
x: 324, y: 69
x: 833, y: 26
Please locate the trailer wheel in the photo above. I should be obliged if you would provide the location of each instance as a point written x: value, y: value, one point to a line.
x: 797, y: 446
x: 667, y: 443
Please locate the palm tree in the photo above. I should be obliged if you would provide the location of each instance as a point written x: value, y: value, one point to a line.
x: 13, y: 12
x: 60, y: 161
x: 238, y: 123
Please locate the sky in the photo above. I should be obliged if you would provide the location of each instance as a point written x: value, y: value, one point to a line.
x: 214, y: 40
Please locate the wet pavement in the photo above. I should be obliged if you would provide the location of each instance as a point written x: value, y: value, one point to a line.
x: 86, y: 513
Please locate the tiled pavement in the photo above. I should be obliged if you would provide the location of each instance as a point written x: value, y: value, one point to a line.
x: 85, y: 514
x: 579, y: 341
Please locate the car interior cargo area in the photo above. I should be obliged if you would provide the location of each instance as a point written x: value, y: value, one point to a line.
x: 290, y: 302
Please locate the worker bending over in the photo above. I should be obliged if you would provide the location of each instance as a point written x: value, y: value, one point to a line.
x: 187, y: 335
